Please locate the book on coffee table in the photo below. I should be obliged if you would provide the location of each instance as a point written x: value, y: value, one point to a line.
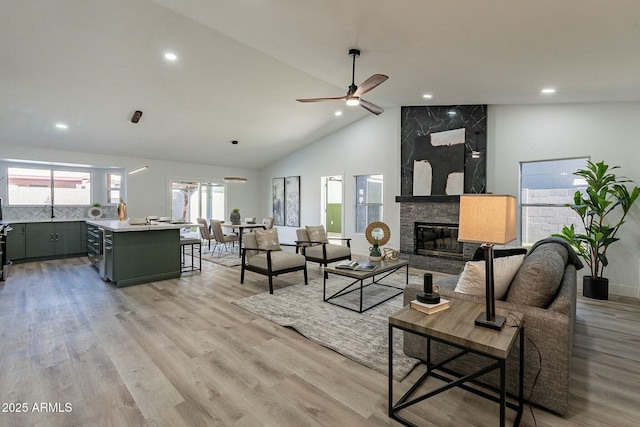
x: 430, y: 308
x: 356, y: 266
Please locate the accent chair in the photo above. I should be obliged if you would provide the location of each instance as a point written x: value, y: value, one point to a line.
x: 262, y: 254
x: 315, y: 246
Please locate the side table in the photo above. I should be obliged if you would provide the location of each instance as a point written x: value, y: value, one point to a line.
x: 455, y: 327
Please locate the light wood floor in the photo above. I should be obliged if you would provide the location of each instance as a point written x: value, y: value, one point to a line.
x: 177, y: 353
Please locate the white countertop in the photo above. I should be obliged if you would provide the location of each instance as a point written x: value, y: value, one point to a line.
x: 121, y: 226
x: 31, y: 221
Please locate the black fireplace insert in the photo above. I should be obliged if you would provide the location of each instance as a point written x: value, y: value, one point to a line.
x: 437, y: 239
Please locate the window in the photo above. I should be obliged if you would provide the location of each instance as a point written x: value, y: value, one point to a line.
x: 545, y: 188
x: 114, y: 181
x: 191, y: 200
x: 46, y: 186
x: 71, y: 188
x: 368, y: 198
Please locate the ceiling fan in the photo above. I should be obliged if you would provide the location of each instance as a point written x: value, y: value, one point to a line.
x: 354, y: 94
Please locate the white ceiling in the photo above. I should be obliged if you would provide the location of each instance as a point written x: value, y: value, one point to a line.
x: 242, y: 64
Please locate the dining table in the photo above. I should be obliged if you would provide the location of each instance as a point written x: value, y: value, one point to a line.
x: 241, y: 227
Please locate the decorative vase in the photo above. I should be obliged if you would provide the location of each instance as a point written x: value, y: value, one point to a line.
x: 374, y: 253
x: 122, y: 211
x: 595, y: 288
x: 235, y: 217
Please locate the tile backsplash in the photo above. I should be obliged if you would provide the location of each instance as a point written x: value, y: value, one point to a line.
x: 31, y: 213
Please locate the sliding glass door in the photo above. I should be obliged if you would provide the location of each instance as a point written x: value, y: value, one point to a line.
x: 191, y: 200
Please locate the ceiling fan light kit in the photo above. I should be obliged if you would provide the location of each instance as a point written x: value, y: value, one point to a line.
x: 354, y: 93
x: 353, y: 101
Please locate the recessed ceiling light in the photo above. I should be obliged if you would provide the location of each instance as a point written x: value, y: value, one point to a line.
x: 338, y: 113
x: 548, y: 90
x: 61, y: 126
x: 170, y: 56
x: 427, y: 96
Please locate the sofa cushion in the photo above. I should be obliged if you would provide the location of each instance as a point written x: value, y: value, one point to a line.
x: 538, y: 279
x: 473, y: 281
x: 268, y: 239
x: 316, y: 233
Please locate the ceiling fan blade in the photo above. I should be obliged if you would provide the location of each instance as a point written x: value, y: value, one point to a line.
x: 370, y: 83
x: 373, y: 108
x: 321, y: 99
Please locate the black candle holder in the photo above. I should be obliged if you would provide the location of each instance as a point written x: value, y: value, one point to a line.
x: 428, y: 296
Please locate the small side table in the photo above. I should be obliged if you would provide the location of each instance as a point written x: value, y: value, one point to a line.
x: 455, y: 327
x: 193, y: 243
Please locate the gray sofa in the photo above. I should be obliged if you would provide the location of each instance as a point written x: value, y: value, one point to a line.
x: 544, y: 290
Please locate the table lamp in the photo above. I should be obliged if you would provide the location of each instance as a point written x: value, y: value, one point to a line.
x: 488, y: 219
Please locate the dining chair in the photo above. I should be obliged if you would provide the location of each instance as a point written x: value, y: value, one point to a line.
x: 268, y: 222
x: 221, y: 238
x: 204, y: 232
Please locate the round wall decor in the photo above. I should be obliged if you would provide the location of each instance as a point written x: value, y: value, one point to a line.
x: 379, y: 230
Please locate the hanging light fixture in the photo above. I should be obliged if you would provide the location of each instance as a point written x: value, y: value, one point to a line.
x: 234, y: 179
x: 138, y: 169
x: 135, y: 119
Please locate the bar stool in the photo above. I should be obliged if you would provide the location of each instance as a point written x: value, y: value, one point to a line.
x: 184, y: 242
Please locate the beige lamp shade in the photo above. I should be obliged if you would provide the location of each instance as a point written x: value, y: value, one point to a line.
x: 487, y: 218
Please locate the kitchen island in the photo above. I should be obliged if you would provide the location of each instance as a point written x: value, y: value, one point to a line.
x: 127, y: 254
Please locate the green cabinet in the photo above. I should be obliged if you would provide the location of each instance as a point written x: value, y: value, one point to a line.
x: 69, y: 239
x: 16, y: 242
x: 53, y: 239
x: 138, y: 257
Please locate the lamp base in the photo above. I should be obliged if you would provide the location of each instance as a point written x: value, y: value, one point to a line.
x: 495, y: 324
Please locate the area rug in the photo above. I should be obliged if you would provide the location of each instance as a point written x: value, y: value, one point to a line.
x: 362, y: 337
x: 228, y: 259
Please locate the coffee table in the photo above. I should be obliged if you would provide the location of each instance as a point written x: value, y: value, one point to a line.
x: 455, y: 327
x: 383, y: 269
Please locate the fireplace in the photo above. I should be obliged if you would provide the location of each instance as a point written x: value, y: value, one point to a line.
x: 437, y: 239
x: 422, y: 216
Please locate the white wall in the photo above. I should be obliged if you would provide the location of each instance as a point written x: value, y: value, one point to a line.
x: 369, y: 146
x: 600, y: 131
x: 515, y: 133
x: 148, y: 192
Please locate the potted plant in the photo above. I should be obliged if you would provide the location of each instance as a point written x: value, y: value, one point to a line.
x: 234, y: 217
x: 605, y: 194
x: 374, y: 251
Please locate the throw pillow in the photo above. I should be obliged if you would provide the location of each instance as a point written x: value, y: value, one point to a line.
x: 268, y: 239
x: 316, y: 233
x: 539, y: 278
x: 473, y: 281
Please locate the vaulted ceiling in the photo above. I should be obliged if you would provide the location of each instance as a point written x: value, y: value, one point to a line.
x: 242, y: 63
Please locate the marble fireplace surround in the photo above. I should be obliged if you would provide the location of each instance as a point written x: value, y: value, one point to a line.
x: 431, y: 209
x: 417, y: 122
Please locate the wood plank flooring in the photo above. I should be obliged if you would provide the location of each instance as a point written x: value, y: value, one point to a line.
x: 178, y: 353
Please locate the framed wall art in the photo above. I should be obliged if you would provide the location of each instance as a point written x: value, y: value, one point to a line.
x: 292, y: 201
x: 278, y: 201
